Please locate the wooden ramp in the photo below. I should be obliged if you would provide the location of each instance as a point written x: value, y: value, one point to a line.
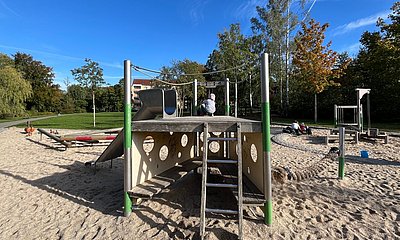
x: 54, y: 137
x: 251, y: 195
x: 114, y: 150
x: 157, y: 183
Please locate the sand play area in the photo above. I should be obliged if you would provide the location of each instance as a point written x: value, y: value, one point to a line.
x: 50, y: 194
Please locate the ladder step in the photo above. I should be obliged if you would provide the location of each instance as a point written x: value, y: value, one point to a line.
x: 222, y: 185
x: 222, y: 161
x: 223, y: 211
x: 222, y: 139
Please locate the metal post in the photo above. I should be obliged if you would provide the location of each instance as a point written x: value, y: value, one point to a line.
x: 94, y: 109
x: 194, y: 106
x: 227, y: 106
x: 341, y: 148
x: 251, y: 97
x: 266, y: 137
x: 194, y: 113
x: 368, y: 112
x: 127, y: 138
x: 236, y: 99
x: 227, y: 113
x: 335, y: 116
x: 359, y: 124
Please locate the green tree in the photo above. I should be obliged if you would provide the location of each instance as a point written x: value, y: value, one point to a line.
x: 41, y: 79
x: 235, y: 56
x: 5, y: 60
x: 14, y: 90
x: 90, y: 76
x: 274, y: 27
x: 315, y: 63
x: 182, y: 72
x: 377, y: 66
x: 78, y: 94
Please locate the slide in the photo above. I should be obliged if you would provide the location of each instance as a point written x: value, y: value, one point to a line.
x: 154, y: 102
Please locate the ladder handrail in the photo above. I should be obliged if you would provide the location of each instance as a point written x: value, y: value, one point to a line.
x: 240, y: 183
x: 204, y: 182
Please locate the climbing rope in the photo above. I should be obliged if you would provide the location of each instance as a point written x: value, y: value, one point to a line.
x: 137, y: 68
x: 165, y: 82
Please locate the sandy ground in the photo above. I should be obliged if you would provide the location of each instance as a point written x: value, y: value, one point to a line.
x: 50, y: 194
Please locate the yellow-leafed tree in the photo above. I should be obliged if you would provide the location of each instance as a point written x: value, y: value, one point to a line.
x: 315, y: 65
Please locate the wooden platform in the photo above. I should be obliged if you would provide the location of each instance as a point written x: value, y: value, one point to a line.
x: 195, y: 124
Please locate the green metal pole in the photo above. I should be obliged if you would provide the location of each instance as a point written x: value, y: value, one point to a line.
x: 127, y: 138
x: 266, y: 138
x: 342, y: 149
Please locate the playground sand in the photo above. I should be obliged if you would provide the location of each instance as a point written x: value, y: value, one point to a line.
x: 49, y: 194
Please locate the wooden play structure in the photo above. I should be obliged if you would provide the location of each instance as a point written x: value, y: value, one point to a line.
x: 81, y: 139
x: 352, y: 119
x: 157, y: 152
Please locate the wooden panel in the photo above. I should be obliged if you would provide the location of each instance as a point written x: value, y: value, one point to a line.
x: 156, y: 152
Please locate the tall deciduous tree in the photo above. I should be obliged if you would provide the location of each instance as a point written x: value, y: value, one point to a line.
x: 90, y: 76
x: 14, y: 89
x: 274, y: 26
x: 181, y: 72
x: 377, y: 66
x: 315, y: 63
x: 41, y: 78
x: 235, y: 52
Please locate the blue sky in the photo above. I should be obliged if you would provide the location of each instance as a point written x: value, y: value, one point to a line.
x: 153, y: 33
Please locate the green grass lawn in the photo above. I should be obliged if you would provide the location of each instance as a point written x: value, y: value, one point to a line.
x: 104, y: 120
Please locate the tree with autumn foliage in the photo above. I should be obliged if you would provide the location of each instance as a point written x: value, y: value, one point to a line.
x: 315, y: 65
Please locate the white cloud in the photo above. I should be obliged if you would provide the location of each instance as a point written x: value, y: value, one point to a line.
x: 359, y: 23
x: 113, y: 77
x: 8, y: 9
x: 196, y: 11
x: 112, y: 65
x: 248, y: 9
x: 352, y: 49
x: 61, y: 57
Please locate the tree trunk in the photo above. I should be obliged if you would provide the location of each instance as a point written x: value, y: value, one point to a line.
x: 94, y: 110
x: 287, y: 57
x: 315, y: 108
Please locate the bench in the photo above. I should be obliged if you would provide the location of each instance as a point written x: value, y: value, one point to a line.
x: 156, y: 184
x: 374, y: 133
x: 333, y: 135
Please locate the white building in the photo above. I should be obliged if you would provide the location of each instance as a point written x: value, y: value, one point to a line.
x: 138, y: 85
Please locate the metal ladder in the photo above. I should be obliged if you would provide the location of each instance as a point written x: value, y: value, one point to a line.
x: 205, y: 184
